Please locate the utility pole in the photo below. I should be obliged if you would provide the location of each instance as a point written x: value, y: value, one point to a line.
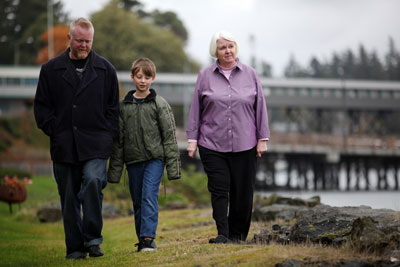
x: 345, y: 125
x: 50, y: 30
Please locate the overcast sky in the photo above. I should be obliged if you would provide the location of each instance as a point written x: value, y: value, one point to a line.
x: 304, y: 28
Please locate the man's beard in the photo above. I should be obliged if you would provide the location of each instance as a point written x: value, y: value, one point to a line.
x: 80, y: 54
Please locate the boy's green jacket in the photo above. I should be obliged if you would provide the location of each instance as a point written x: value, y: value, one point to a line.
x: 146, y: 131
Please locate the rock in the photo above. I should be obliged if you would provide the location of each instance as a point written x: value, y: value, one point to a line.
x: 52, y: 212
x: 371, y: 236
x: 276, y: 199
x: 174, y: 205
x: 339, y: 263
x: 279, y: 234
x: 49, y: 213
x: 290, y: 263
x: 277, y: 211
x: 369, y: 230
x: 109, y: 211
x: 277, y: 207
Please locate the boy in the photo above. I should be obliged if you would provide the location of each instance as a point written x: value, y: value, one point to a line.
x: 146, y: 142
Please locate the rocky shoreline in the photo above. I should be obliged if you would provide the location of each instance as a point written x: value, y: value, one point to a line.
x: 306, y: 221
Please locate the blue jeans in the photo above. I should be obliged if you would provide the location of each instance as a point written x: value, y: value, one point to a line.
x: 144, y: 183
x: 80, y: 189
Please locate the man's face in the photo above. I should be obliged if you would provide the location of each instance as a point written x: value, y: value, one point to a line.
x: 80, y: 42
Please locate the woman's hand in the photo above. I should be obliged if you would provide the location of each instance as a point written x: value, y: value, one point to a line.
x: 192, y: 147
x: 261, y: 147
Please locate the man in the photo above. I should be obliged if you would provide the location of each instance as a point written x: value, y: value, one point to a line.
x: 76, y: 105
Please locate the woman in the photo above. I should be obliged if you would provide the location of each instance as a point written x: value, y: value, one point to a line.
x: 228, y: 122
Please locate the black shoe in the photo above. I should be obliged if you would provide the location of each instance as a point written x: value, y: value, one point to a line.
x: 139, y: 246
x: 95, y: 251
x: 80, y: 256
x: 220, y: 239
x: 146, y: 245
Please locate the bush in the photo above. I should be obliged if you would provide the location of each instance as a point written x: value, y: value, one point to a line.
x: 13, y: 172
x: 11, y: 126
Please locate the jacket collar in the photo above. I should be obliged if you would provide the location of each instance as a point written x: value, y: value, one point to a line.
x: 94, y: 60
x: 129, y: 96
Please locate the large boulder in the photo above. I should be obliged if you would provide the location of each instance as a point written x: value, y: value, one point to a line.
x: 370, y: 235
x: 278, y: 207
x: 49, y: 213
x: 52, y: 212
x: 326, y: 224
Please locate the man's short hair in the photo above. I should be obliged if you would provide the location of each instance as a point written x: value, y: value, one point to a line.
x: 82, y: 22
x: 144, y: 64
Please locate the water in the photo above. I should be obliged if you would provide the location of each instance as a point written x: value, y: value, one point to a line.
x: 374, y: 199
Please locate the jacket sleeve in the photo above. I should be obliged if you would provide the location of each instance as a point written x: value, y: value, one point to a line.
x: 168, y: 132
x: 113, y: 104
x: 116, y: 163
x: 43, y: 105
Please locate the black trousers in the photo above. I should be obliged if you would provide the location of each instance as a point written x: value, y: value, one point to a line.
x: 231, y: 178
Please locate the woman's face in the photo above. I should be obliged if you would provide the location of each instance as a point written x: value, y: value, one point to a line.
x: 226, y: 53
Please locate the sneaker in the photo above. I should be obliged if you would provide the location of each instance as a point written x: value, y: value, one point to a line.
x: 95, y: 251
x: 147, y: 245
x: 78, y: 255
x: 220, y: 239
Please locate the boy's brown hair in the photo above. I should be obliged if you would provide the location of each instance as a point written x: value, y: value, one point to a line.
x: 144, y: 64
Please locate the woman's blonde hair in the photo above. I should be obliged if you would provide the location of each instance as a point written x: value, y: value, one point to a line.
x: 221, y: 35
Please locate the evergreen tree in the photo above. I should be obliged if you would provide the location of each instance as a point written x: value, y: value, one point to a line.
x: 294, y: 69
x: 349, y: 64
x: 362, y: 64
x: 335, y: 67
x: 376, y: 67
x: 392, y: 60
x: 316, y: 69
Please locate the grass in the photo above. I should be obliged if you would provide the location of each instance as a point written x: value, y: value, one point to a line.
x: 182, y: 240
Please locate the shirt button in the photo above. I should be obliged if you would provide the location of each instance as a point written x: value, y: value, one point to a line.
x: 75, y: 128
x: 229, y: 95
x: 229, y: 107
x: 73, y: 106
x: 229, y: 119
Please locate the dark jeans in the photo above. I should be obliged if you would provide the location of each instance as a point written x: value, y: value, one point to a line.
x: 80, y: 189
x: 231, y: 178
x: 144, y: 184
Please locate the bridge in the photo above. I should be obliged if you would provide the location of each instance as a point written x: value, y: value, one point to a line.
x: 325, y: 133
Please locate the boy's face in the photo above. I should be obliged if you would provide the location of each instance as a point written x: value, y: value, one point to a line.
x: 142, y: 81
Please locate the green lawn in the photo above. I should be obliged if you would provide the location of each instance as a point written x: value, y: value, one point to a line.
x: 182, y: 240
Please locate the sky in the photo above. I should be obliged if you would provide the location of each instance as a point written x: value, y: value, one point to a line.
x: 273, y: 30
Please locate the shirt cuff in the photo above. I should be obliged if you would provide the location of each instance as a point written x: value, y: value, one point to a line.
x: 192, y: 141
x: 263, y: 139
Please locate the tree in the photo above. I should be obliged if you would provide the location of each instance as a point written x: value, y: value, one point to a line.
x: 60, y: 33
x: 22, y: 21
x: 170, y: 20
x: 376, y: 67
x: 349, y: 64
x: 316, y: 68
x: 293, y: 69
x: 392, y: 60
x: 122, y: 37
x: 362, y: 64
